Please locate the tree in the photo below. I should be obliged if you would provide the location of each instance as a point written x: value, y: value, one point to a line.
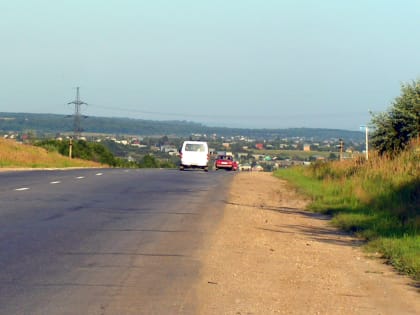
x: 163, y: 140
x: 149, y: 161
x: 394, y: 129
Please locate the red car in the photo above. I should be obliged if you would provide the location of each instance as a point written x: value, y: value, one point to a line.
x: 226, y: 162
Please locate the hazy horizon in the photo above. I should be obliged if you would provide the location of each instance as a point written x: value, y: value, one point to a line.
x: 179, y: 121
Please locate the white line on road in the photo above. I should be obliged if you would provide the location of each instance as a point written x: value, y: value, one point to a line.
x: 22, y: 189
x: 99, y: 174
x: 56, y: 182
x: 80, y: 177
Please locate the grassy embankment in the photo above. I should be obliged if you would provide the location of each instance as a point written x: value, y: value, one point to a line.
x: 378, y: 200
x: 16, y: 155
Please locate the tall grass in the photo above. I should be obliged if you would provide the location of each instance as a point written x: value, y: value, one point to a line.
x: 378, y: 200
x: 16, y: 155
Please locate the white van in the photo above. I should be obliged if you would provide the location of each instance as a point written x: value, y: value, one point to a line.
x: 194, y: 154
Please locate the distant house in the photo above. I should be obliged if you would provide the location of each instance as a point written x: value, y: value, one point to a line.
x: 241, y: 155
x: 167, y: 148
x: 306, y: 147
x: 259, y: 146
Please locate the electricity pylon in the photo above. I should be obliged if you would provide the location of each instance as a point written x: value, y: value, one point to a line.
x: 77, y: 114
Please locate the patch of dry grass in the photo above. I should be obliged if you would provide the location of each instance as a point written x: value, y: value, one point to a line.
x: 18, y: 155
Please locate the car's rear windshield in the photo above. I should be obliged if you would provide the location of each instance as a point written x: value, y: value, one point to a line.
x: 195, y: 147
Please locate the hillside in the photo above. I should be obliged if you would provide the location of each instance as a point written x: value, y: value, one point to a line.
x: 16, y: 155
x: 53, y: 124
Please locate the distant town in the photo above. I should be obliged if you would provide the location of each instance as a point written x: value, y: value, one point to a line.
x: 252, y: 153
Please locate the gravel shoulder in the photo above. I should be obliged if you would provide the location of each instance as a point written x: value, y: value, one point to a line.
x: 270, y: 256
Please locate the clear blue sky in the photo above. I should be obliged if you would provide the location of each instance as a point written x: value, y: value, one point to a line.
x: 239, y: 63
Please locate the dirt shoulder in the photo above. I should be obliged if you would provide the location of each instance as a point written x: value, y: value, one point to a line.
x: 269, y: 256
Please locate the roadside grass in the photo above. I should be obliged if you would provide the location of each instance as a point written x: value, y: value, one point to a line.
x: 16, y: 155
x: 377, y: 200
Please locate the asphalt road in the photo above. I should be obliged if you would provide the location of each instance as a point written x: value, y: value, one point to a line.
x: 105, y: 241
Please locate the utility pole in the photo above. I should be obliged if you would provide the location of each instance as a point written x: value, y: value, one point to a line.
x: 77, y: 114
x: 71, y: 147
x: 366, y: 140
x: 341, y: 145
x: 367, y: 143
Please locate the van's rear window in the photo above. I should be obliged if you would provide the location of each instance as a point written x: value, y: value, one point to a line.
x: 195, y: 147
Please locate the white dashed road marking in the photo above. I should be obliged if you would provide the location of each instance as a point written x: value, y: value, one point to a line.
x: 54, y: 182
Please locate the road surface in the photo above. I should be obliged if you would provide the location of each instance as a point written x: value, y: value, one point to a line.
x: 104, y: 241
